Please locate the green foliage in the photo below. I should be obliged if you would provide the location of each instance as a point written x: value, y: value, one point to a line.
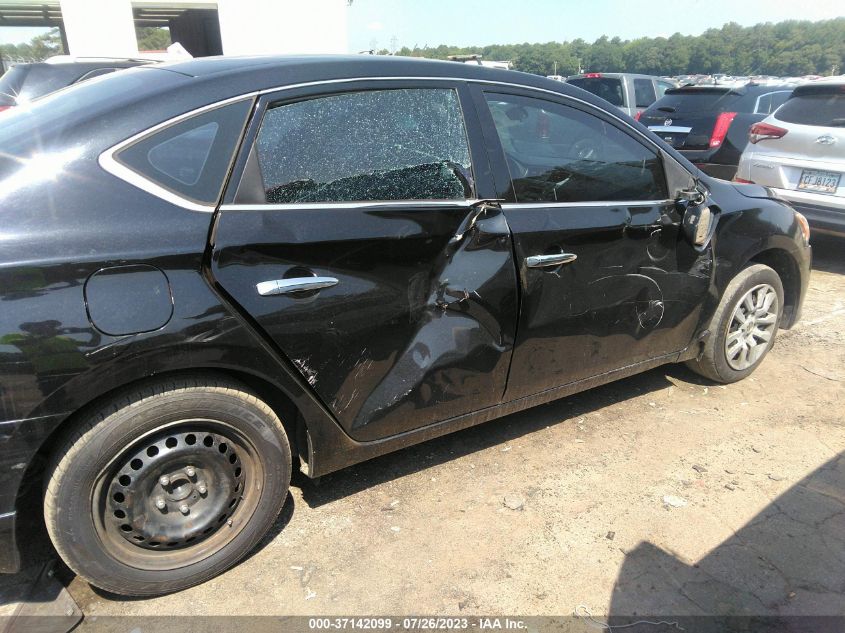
x: 152, y: 38
x: 39, y: 47
x: 785, y: 48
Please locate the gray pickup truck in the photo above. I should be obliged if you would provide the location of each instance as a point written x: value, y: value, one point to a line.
x: 629, y: 92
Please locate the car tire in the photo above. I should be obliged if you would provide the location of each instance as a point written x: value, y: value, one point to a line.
x: 735, y: 348
x: 167, y: 484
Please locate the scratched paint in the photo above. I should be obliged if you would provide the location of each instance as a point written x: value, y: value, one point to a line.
x: 309, y: 374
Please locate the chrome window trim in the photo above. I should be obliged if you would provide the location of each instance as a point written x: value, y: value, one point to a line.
x: 679, y: 129
x: 108, y: 162
x: 362, y: 205
x: 600, y: 203
x: 432, y: 204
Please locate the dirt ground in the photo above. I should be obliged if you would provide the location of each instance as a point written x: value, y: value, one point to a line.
x: 659, y: 494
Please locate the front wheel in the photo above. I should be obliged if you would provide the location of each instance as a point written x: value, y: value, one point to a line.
x: 167, y: 485
x: 744, y: 327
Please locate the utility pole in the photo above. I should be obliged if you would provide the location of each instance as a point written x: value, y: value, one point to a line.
x: 393, y: 42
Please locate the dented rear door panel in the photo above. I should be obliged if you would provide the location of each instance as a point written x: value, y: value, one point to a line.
x: 420, y: 325
x: 418, y: 329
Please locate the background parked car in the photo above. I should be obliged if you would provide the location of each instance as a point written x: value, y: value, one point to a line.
x: 24, y: 82
x: 709, y: 124
x: 800, y: 152
x: 630, y: 92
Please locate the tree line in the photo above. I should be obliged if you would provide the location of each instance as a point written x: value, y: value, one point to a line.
x: 38, y: 48
x: 791, y: 48
x: 786, y: 48
x: 49, y: 43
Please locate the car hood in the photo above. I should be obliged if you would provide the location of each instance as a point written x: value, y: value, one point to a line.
x: 754, y: 191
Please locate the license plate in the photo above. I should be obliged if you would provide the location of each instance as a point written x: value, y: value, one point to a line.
x: 820, y: 181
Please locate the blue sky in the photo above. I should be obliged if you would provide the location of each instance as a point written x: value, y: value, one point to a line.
x: 480, y: 22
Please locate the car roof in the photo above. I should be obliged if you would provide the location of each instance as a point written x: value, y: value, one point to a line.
x: 615, y: 75
x: 216, y: 78
x: 745, y: 89
x: 821, y: 87
x: 141, y: 97
x: 265, y: 72
x: 83, y: 64
x: 215, y: 65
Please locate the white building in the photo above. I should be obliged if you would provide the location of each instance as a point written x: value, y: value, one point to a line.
x: 106, y: 28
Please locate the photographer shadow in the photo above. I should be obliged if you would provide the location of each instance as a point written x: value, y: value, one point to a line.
x: 783, y: 571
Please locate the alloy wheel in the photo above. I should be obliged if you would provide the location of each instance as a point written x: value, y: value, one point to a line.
x: 752, y: 327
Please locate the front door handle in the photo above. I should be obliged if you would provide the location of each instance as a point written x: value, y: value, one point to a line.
x: 297, y: 284
x: 546, y: 261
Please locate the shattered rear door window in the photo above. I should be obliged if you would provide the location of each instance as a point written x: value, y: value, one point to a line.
x: 401, y: 144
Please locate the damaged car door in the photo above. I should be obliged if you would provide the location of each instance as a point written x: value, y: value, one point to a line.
x: 608, y: 280
x: 356, y: 239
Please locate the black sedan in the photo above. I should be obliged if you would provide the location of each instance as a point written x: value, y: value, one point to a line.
x: 217, y: 270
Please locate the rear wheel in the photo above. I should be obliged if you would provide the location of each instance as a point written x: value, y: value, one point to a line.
x: 167, y: 485
x: 744, y: 327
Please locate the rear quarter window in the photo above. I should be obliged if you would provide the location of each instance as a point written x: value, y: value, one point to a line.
x: 771, y: 101
x: 608, y: 88
x: 192, y: 157
x: 644, y: 93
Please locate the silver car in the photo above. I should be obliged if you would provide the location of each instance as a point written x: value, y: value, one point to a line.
x: 629, y: 92
x: 799, y: 151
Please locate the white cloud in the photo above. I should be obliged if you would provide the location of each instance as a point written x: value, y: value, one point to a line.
x: 375, y: 26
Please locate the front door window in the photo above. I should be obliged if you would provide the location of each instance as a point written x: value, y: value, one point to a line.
x: 557, y: 153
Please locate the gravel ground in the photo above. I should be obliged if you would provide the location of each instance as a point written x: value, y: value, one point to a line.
x: 661, y: 493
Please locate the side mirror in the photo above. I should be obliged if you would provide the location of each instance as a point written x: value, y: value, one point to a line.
x: 699, y: 221
x: 699, y: 224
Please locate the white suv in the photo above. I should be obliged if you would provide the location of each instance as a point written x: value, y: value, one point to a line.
x: 799, y: 151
